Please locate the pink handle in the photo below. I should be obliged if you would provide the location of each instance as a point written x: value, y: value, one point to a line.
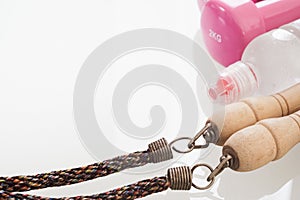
x: 202, y: 2
x: 277, y: 13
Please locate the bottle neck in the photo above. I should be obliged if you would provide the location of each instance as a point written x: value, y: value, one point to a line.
x: 237, y: 81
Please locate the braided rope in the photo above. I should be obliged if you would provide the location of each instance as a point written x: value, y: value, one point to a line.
x: 75, y: 175
x: 158, y: 151
x: 138, y: 190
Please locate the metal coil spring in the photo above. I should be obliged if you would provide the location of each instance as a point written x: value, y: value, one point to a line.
x: 160, y: 151
x: 180, y: 178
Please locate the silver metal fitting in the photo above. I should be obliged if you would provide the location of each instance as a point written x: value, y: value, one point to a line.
x: 160, y: 151
x: 180, y: 178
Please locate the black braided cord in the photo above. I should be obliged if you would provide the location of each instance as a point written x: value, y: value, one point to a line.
x: 75, y: 175
x: 138, y: 190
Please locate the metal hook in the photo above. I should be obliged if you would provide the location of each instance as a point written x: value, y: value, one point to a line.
x: 224, y: 163
x: 181, y: 178
x: 192, y: 143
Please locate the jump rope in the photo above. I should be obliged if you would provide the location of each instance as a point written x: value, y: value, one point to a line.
x: 255, y: 131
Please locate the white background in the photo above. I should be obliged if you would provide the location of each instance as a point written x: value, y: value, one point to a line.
x: 42, y: 47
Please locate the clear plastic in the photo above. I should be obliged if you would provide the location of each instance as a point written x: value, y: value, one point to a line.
x: 270, y: 63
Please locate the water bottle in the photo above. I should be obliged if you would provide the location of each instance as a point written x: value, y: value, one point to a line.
x: 271, y: 62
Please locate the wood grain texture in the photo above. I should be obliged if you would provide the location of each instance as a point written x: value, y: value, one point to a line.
x: 251, y: 110
x: 267, y: 140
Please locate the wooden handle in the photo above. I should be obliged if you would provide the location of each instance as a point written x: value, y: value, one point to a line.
x: 251, y: 110
x: 268, y: 140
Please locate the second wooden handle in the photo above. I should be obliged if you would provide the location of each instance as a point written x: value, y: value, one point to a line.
x: 251, y: 110
x: 268, y: 140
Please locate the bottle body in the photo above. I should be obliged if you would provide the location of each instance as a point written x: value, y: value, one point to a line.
x: 275, y: 59
x: 271, y: 62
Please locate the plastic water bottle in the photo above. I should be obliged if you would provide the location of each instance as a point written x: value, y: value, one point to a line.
x: 271, y: 62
